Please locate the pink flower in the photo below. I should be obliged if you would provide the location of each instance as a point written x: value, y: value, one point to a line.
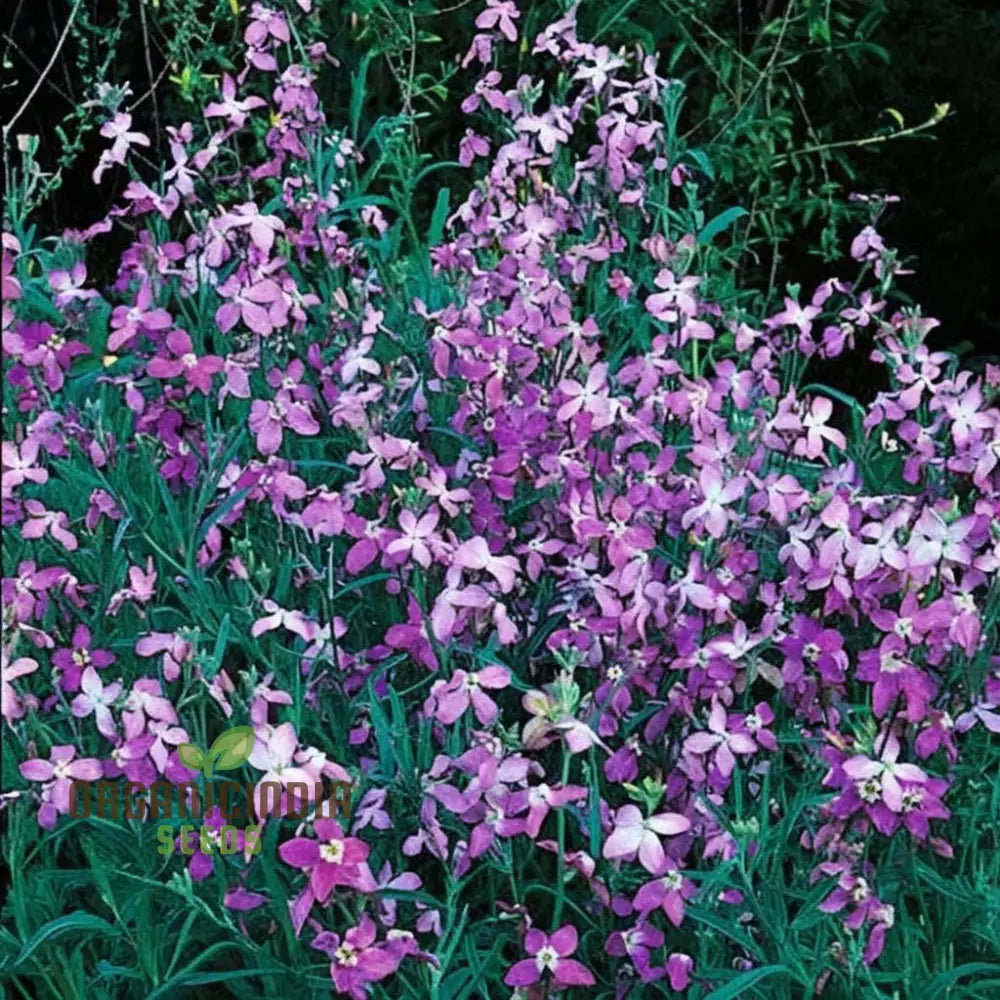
x: 59, y: 773
x: 550, y: 954
x: 197, y: 371
x: 676, y: 300
x: 272, y: 754
x: 500, y: 14
x: 634, y: 835
x: 415, y: 535
x: 721, y: 741
x: 814, y: 423
x: 176, y: 651
x: 277, y: 617
x: 141, y: 587
x: 795, y: 315
x: 95, y: 698
x: 475, y: 554
x: 880, y: 778
x: 19, y: 465
x: 591, y: 397
x: 40, y: 522
x: 718, y: 495
x: 451, y: 699
x: 232, y: 110
x: 127, y: 322
x: 331, y: 860
x: 261, y: 228
x: 11, y: 705
x: 118, y: 129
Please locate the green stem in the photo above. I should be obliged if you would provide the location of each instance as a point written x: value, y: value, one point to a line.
x: 561, y: 837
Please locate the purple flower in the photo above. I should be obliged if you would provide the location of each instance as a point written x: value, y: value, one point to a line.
x: 550, y: 953
x: 331, y: 860
x: 58, y: 773
x: 73, y: 661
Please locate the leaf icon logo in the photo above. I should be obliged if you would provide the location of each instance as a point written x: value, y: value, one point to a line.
x: 191, y: 755
x: 231, y: 749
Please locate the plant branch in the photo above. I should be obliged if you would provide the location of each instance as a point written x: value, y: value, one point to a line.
x: 45, y: 72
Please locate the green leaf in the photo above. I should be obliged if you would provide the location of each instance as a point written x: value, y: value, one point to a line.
x: 722, y: 221
x: 737, y: 987
x: 232, y: 748
x: 211, y: 669
x: 72, y: 922
x: 191, y: 756
x: 438, y: 218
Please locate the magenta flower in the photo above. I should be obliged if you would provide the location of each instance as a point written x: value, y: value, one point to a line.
x: 638, y: 944
x: 539, y: 800
x: 261, y: 305
x: 357, y: 960
x: 267, y: 419
x: 262, y: 229
x: 633, y: 835
x: 132, y: 758
x: 72, y: 662
x: 242, y: 900
x: 39, y: 346
x: 668, y: 892
x: 127, y: 322
x: 197, y: 371
x: 550, y: 953
x: 202, y: 863
x: 333, y: 859
x: 679, y: 968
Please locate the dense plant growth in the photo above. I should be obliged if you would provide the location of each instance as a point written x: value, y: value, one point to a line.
x: 659, y: 665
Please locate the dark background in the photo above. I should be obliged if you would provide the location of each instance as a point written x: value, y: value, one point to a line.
x: 947, y: 225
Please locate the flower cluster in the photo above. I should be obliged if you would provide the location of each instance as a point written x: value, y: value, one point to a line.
x: 545, y: 540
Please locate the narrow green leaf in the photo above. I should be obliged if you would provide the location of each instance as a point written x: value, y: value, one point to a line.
x: 722, y: 221
x: 737, y: 987
x: 78, y: 922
